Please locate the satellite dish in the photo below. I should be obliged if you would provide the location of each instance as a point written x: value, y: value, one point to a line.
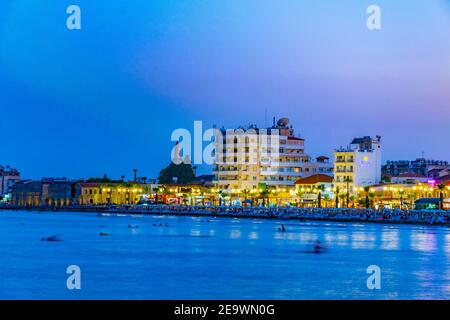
x: 283, y: 122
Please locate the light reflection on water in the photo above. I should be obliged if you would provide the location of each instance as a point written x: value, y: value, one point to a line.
x: 218, y: 258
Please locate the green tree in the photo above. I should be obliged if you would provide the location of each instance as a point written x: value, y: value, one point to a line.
x: 337, y: 196
x: 264, y: 193
x: 320, y: 189
x: 183, y: 172
x: 300, y: 196
x: 367, y: 190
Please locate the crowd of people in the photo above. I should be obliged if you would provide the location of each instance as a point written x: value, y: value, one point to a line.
x: 330, y: 214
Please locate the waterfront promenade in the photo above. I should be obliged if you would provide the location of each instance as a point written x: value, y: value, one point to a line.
x: 428, y: 217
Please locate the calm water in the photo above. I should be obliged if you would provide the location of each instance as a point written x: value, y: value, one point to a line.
x: 220, y: 259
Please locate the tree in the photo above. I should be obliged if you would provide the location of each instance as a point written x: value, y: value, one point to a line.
x: 352, y: 200
x: 183, y: 172
x: 222, y: 194
x: 367, y: 190
x: 319, y: 196
x: 342, y: 197
x: 155, y: 190
x: 401, y: 193
x: 441, y: 188
x: 264, y: 193
x: 336, y: 197
x: 348, y: 180
x: 300, y: 196
x: 135, y: 174
x: 326, y: 197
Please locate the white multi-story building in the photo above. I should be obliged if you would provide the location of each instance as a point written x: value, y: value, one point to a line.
x: 359, y: 164
x: 248, y: 158
x: 319, y: 165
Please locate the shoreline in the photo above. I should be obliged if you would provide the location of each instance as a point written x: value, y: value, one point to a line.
x: 429, y: 218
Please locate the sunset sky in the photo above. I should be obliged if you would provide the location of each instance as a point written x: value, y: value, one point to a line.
x: 106, y: 98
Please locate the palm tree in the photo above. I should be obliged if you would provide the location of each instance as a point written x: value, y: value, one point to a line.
x: 401, y: 193
x: 264, y: 193
x: 348, y: 180
x: 135, y: 174
x: 326, y: 197
x: 245, y: 192
x: 221, y: 195
x: 122, y: 178
x: 441, y: 188
x: 342, y: 197
x: 300, y: 196
x: 367, y: 190
x: 336, y: 196
x: 352, y: 200
x: 319, y: 196
x: 155, y: 190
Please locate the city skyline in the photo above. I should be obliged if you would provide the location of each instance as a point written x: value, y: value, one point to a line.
x: 108, y: 96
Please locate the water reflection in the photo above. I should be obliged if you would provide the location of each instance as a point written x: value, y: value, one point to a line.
x: 363, y: 240
x: 422, y: 241
x: 235, y: 234
x: 253, y: 235
x: 390, y: 239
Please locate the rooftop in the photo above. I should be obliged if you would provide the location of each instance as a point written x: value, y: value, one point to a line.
x: 314, y: 179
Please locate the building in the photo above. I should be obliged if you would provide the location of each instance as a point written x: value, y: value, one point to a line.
x: 45, y: 192
x: 409, y: 178
x: 358, y: 165
x: 253, y: 158
x: 100, y: 193
x: 422, y: 166
x: 396, y: 195
x: 319, y: 165
x: 8, y: 177
x: 308, y: 188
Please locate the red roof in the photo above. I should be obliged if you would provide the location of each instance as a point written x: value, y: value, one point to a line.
x: 316, y: 178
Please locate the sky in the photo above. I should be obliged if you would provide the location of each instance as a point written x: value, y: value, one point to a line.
x: 106, y: 98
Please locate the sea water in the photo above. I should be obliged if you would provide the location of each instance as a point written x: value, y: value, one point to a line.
x: 173, y: 257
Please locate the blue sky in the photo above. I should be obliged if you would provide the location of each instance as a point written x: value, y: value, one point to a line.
x: 106, y: 98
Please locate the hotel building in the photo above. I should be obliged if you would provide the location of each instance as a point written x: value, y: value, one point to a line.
x: 358, y: 165
x: 252, y: 158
